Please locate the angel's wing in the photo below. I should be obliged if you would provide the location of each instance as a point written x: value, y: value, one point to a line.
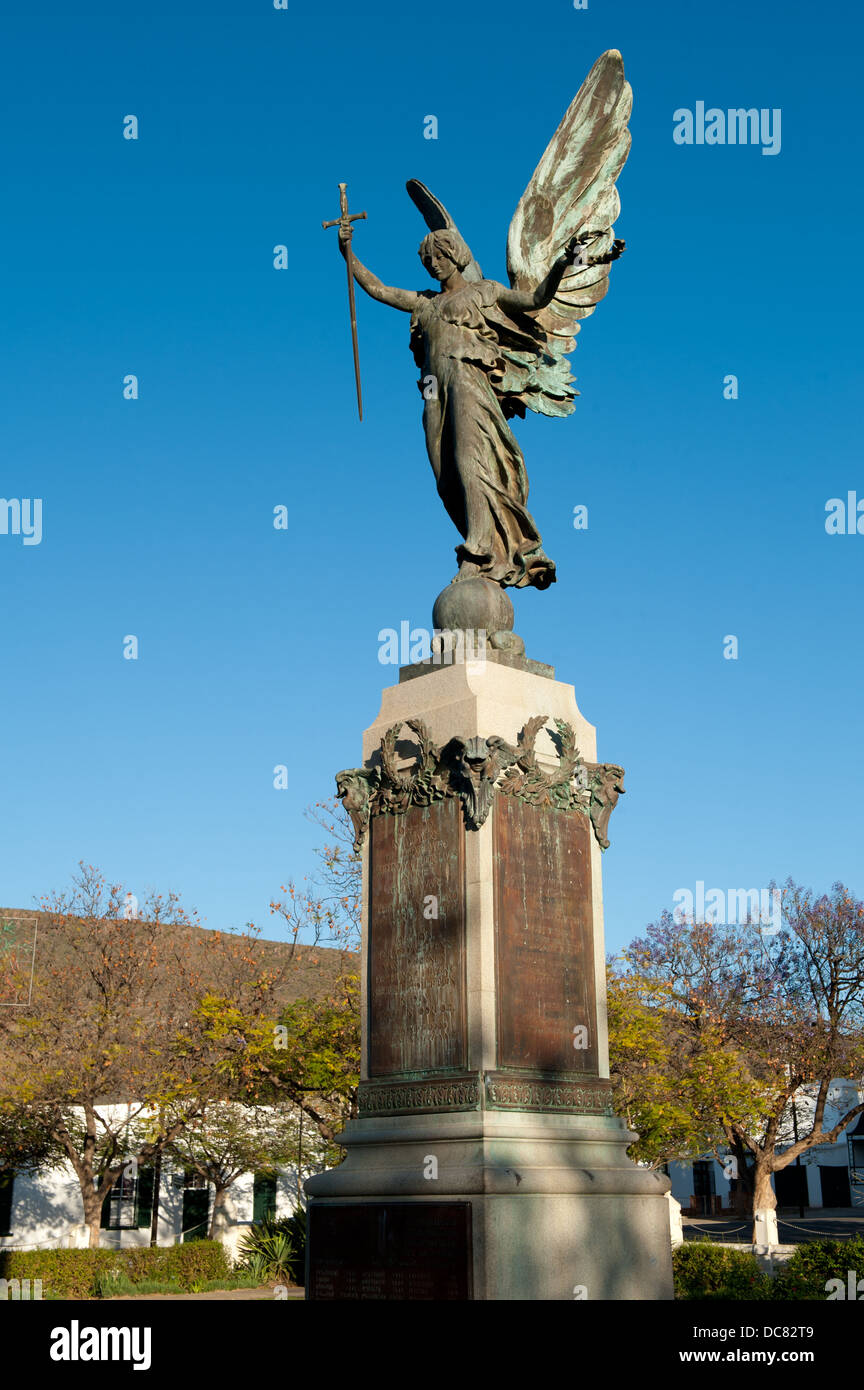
x: 572, y: 190
x: 437, y: 218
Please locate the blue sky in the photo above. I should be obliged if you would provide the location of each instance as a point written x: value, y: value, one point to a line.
x: 259, y: 647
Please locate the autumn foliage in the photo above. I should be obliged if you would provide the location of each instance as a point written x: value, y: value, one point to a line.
x: 715, y: 1028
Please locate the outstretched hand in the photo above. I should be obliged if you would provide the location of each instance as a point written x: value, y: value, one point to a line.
x: 581, y: 239
x: 613, y: 253
x: 577, y: 255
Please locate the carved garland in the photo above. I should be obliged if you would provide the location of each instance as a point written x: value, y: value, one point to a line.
x: 474, y: 769
x: 506, y: 1093
x: 389, y: 1099
x: 502, y: 1093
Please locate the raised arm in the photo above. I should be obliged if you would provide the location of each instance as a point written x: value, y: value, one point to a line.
x: 528, y: 300
x: 405, y: 300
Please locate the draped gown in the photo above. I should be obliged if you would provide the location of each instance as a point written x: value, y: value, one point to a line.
x: 478, y: 465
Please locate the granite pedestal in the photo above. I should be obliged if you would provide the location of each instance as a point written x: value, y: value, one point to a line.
x: 486, y: 1162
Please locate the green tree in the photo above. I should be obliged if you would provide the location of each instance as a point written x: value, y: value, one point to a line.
x: 232, y: 1139
x: 308, y: 1056
x: 314, y: 1061
x: 715, y: 1029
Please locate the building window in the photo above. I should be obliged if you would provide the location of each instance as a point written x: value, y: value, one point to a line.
x: 7, y: 1183
x: 144, y: 1197
x: 196, y: 1205
x: 703, y: 1185
x: 264, y: 1197
x: 703, y: 1178
x: 129, y: 1204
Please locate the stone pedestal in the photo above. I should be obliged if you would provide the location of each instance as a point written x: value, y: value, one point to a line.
x: 486, y: 1162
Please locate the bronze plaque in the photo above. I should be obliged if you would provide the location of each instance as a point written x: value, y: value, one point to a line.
x: 547, y: 1016
x: 390, y: 1250
x: 416, y: 978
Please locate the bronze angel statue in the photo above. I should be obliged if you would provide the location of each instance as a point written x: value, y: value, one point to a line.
x: 488, y: 351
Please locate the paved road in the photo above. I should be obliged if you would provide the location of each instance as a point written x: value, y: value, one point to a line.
x: 792, y: 1228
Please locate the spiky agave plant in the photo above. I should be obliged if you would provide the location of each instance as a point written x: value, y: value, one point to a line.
x: 268, y: 1250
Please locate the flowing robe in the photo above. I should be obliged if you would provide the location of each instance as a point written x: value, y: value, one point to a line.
x: 478, y: 465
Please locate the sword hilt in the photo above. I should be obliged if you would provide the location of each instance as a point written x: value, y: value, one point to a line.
x: 344, y: 219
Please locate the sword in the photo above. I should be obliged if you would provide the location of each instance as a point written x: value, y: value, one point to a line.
x: 345, y: 221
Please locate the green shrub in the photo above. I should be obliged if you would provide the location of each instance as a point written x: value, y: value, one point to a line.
x: 64, y: 1273
x: 84, y: 1273
x: 234, y: 1281
x: 196, y: 1261
x: 808, y: 1270
x: 108, y: 1285
x: 115, y: 1285
x: 268, y: 1250
x: 147, y: 1262
x: 703, y: 1270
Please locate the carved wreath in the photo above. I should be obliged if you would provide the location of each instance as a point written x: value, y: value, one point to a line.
x: 474, y: 769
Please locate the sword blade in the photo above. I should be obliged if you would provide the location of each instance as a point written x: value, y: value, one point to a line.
x: 349, y: 261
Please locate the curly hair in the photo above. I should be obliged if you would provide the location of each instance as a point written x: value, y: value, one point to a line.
x: 448, y: 240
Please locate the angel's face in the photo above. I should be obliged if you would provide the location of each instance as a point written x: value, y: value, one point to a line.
x: 438, y: 263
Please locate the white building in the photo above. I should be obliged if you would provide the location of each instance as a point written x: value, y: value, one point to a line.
x: 824, y: 1177
x: 44, y: 1209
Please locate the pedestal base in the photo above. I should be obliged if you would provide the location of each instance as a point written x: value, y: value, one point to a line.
x: 555, y: 1210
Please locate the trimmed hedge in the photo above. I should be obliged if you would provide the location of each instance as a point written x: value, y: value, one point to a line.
x: 704, y: 1270
x: 76, y: 1273
x: 808, y: 1270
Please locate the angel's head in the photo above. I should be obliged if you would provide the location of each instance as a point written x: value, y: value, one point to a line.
x: 444, y: 251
